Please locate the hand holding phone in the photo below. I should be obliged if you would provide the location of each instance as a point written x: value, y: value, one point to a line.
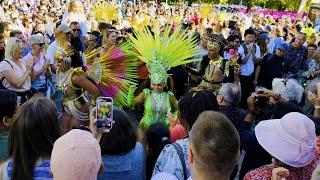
x: 104, y: 114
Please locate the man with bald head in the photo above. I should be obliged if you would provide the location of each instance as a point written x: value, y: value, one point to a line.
x: 296, y: 57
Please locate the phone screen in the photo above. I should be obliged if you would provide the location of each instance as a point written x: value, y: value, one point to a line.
x: 104, y: 114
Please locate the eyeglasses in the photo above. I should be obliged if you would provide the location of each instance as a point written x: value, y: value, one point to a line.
x: 75, y: 30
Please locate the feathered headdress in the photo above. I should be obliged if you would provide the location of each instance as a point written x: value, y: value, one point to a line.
x: 64, y: 51
x: 105, y: 12
x: 216, y: 41
x: 206, y: 11
x: 140, y: 23
x: 162, y: 51
x: 113, y: 72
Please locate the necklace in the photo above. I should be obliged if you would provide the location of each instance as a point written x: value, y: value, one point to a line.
x: 215, y: 61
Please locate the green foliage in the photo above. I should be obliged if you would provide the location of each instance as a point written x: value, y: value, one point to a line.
x: 289, y: 5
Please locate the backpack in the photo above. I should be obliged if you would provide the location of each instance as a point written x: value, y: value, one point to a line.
x: 1, y: 80
x: 246, y: 49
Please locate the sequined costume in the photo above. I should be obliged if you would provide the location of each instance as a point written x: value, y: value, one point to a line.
x: 160, y: 52
x: 111, y: 74
x: 213, y: 74
x: 156, y: 106
x: 75, y: 98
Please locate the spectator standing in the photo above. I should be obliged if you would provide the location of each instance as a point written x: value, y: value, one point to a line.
x: 276, y: 40
x: 207, y: 159
x: 296, y: 58
x: 16, y: 73
x: 312, y: 79
x: 249, y: 53
x: 76, y: 156
x: 31, y: 140
x: 76, y: 36
x: 203, y: 49
x: 8, y: 106
x: 19, y: 34
x: 157, y: 136
x: 123, y: 156
x: 76, y: 13
x: 271, y: 67
x: 40, y: 72
x: 173, y: 158
x: 291, y: 141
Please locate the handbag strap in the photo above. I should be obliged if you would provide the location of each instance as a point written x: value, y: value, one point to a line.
x: 182, y: 160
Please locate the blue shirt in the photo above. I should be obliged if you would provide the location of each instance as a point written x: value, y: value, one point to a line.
x: 169, y: 161
x: 296, y: 61
x: 41, y: 171
x: 26, y: 50
x: 3, y: 145
x: 130, y: 165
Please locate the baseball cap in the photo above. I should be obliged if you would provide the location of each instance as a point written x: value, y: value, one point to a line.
x: 283, y: 46
x: 263, y: 36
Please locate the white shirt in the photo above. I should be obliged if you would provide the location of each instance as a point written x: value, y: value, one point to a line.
x: 200, y: 56
x: 50, y: 56
x: 78, y: 17
x: 51, y: 51
x: 19, y: 72
x: 248, y: 68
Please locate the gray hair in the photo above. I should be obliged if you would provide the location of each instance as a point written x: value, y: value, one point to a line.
x: 231, y: 93
x: 289, y: 89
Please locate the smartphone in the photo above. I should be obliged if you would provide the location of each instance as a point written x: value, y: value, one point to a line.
x: 104, y: 114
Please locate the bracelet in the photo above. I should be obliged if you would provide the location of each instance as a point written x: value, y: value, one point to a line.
x: 317, y: 107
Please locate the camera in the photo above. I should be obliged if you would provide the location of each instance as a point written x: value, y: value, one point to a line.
x: 261, y: 101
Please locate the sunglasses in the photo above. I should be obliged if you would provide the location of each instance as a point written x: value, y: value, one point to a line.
x: 75, y: 30
x: 41, y: 44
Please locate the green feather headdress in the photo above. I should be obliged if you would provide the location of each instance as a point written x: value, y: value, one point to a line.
x: 162, y: 51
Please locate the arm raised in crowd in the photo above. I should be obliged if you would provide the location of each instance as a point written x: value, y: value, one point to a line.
x: 16, y: 81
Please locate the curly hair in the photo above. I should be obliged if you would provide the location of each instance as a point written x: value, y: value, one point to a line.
x: 195, y: 102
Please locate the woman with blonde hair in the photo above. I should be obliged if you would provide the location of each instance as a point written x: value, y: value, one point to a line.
x: 109, y: 40
x: 14, y: 73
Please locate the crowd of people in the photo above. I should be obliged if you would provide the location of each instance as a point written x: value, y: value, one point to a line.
x: 194, y: 90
